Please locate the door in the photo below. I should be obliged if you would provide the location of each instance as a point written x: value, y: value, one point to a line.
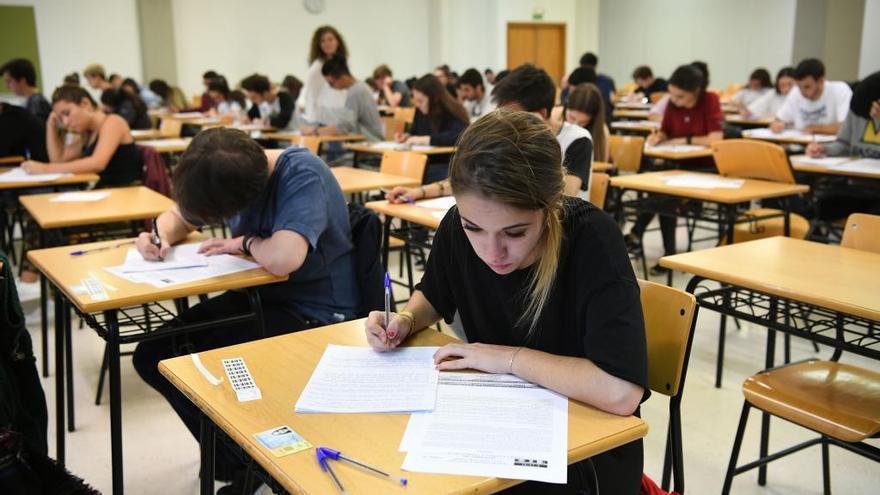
x: 539, y: 43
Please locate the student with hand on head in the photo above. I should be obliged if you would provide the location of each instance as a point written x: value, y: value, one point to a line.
x: 541, y: 283
x: 758, y: 86
x: 96, y: 77
x: 770, y: 103
x: 286, y: 210
x: 317, y: 94
x: 21, y: 78
x: 693, y: 116
x: 392, y: 93
x: 647, y: 84
x: 103, y: 144
x: 472, y: 90
x: 272, y: 107
x: 128, y: 106
x: 815, y: 105
x: 360, y: 115
x: 170, y: 97
x: 584, y: 108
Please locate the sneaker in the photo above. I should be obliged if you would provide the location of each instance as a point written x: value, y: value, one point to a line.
x: 632, y: 242
x: 658, y: 270
x: 27, y: 291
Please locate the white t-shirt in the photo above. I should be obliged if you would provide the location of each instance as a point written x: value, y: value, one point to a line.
x: 479, y: 108
x: 568, y: 134
x: 317, y: 93
x: 831, y: 107
x: 767, y: 105
x: 746, y: 96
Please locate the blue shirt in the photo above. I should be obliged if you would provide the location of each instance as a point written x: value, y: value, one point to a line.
x: 303, y: 196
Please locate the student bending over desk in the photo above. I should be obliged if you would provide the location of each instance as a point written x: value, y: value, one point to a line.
x: 815, y: 105
x: 770, y: 103
x: 542, y: 284
x: 286, y: 210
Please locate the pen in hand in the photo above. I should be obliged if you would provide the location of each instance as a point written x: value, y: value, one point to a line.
x: 155, y: 239
x: 387, y: 300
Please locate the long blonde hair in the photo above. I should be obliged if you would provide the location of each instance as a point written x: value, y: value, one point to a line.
x: 513, y: 158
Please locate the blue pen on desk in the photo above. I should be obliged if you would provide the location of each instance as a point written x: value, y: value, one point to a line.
x: 387, y: 299
x: 80, y: 252
x: 324, y: 454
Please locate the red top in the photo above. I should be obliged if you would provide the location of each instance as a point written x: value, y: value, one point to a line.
x: 703, y: 118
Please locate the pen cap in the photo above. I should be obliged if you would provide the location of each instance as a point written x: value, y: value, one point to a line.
x: 322, y: 457
x: 387, y: 281
x: 332, y: 454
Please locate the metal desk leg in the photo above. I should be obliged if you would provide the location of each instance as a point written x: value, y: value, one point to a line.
x: 68, y: 363
x: 59, y: 379
x: 206, y: 450
x: 115, y: 400
x: 765, y: 417
x: 44, y: 325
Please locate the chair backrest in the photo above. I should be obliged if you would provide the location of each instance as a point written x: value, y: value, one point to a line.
x: 196, y: 101
x: 626, y: 152
x: 628, y: 88
x: 170, y: 127
x: 311, y: 143
x: 599, y: 188
x: 752, y: 159
x: 404, y: 163
x: 862, y: 232
x: 669, y: 322
x: 392, y: 126
x: 406, y: 114
x: 657, y: 96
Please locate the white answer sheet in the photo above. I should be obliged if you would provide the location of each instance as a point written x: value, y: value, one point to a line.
x: 442, y: 203
x: 18, y: 174
x: 80, y: 197
x: 824, y: 161
x: 182, y: 256
x: 867, y: 165
x: 767, y: 133
x: 361, y: 380
x: 675, y: 148
x: 490, y: 425
x: 702, y: 182
x: 217, y: 266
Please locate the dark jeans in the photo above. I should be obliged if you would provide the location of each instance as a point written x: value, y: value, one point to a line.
x: 667, y: 229
x: 277, y: 320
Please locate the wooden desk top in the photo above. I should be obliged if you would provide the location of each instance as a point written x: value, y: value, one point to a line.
x: 123, y: 204
x: 13, y: 159
x: 601, y: 167
x: 355, y: 180
x: 748, y: 121
x: 167, y: 145
x: 631, y: 114
x: 145, y: 134
x: 632, y: 105
x: 762, y: 134
x: 752, y: 189
x: 66, y: 272
x: 845, y: 279
x: 426, y: 217
x: 61, y: 181
x: 289, y: 136
x: 281, y: 367
x: 368, y: 148
x: 642, y: 126
x: 798, y: 165
x: 653, y: 152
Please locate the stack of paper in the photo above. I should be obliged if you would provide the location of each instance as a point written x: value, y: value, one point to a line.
x: 361, y: 380
x: 165, y: 142
x: 767, y: 133
x: 182, y: 265
x: 821, y: 162
x: 442, y: 203
x: 490, y: 425
x: 18, y: 174
x: 80, y: 197
x: 702, y: 181
x: 865, y: 165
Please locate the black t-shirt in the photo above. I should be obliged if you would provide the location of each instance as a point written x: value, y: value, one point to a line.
x: 593, y: 310
x: 658, y: 86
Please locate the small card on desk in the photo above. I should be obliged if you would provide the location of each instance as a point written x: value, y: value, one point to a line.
x: 282, y: 441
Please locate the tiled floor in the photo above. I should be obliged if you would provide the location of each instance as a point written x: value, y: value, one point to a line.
x: 161, y: 457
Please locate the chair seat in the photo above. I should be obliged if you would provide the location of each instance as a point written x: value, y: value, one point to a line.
x: 839, y: 400
x: 759, y: 229
x: 395, y: 243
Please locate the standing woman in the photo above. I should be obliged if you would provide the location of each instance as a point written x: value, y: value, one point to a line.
x: 585, y: 108
x: 326, y: 44
x: 438, y: 121
x: 101, y: 143
x: 542, y: 284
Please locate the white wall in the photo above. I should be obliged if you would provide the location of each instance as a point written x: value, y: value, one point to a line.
x: 869, y: 61
x: 272, y: 37
x: 72, y: 35
x: 732, y: 37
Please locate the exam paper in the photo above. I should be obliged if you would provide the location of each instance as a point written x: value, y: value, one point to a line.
x: 217, y: 266
x: 767, y: 133
x: 637, y: 123
x: 361, y: 380
x: 821, y: 162
x: 442, y: 203
x: 675, y: 148
x: 164, y: 142
x: 18, y: 174
x: 386, y: 145
x: 870, y: 165
x: 490, y: 425
x: 77, y: 197
x: 183, y: 256
x: 703, y: 182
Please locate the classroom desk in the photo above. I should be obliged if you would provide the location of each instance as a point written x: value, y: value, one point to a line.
x: 740, y: 121
x: 147, y: 134
x: 290, y: 136
x: 118, y: 325
x: 281, y: 366
x: 632, y: 105
x: 788, y: 136
x: 356, y: 180
x: 630, y: 114
x: 601, y: 167
x: 11, y: 159
x: 66, y: 180
x: 636, y: 126
x: 167, y: 145
x: 123, y: 204
x: 799, y: 166
x: 368, y: 148
x: 674, y: 156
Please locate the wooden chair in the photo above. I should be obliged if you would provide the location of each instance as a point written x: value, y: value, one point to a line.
x: 838, y: 401
x: 862, y: 232
x: 669, y: 315
x: 311, y: 143
x: 599, y: 188
x: 170, y: 127
x: 406, y: 114
x: 404, y: 163
x: 392, y: 126
x: 626, y: 152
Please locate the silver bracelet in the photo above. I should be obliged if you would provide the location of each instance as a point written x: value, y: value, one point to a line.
x: 510, y: 363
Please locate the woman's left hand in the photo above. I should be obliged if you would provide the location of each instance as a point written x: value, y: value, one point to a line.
x: 483, y: 357
x: 216, y: 245
x: 34, y: 167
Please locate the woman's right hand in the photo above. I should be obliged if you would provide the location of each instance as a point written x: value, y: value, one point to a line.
x: 150, y: 251
x: 402, y: 194
x: 654, y: 138
x: 815, y: 150
x: 53, y: 121
x: 400, y: 136
x: 384, y: 339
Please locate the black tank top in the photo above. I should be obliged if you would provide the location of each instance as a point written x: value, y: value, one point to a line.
x: 125, y: 166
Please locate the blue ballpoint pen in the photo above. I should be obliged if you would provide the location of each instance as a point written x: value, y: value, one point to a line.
x: 325, y: 453
x: 387, y: 299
